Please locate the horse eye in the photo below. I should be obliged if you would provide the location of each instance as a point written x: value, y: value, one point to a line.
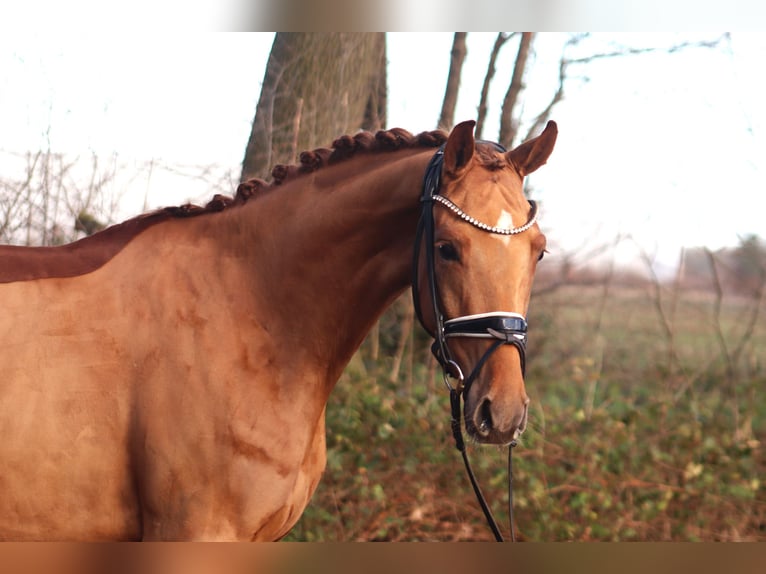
x: 448, y: 252
x: 542, y: 254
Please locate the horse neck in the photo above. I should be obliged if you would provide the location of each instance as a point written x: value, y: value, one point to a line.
x: 333, y: 249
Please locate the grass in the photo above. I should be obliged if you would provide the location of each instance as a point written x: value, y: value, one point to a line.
x: 634, y: 434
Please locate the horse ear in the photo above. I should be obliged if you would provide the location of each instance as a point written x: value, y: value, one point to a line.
x: 459, y: 149
x: 532, y: 154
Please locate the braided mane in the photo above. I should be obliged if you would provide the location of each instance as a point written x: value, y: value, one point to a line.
x: 344, y: 147
x: 90, y: 253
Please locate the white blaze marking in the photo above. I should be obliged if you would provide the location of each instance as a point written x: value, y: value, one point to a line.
x: 505, y: 221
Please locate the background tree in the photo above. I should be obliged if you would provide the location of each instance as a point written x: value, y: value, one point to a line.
x: 317, y: 86
x: 447, y: 116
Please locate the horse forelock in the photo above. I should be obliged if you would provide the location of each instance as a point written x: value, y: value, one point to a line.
x: 489, y: 157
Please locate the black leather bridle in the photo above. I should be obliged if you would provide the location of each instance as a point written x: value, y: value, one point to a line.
x: 501, y: 328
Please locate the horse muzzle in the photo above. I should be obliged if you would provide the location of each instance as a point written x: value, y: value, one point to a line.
x: 495, y: 419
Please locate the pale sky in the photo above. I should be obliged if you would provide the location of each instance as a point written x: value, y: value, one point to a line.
x: 667, y: 148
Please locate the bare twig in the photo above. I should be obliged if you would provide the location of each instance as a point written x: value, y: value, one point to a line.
x: 631, y: 51
x: 717, y: 305
x: 666, y: 320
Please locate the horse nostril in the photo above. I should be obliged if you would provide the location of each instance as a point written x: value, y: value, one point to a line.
x: 485, y: 418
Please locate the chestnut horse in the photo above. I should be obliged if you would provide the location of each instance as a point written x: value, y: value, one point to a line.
x: 167, y: 378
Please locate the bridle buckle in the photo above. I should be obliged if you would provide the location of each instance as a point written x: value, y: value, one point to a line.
x: 457, y: 374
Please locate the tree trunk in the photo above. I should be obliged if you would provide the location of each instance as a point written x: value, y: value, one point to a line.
x: 317, y: 86
x: 405, y: 333
x: 508, y: 122
x: 447, y: 116
x: 501, y: 39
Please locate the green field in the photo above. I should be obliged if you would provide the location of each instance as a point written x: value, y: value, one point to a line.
x: 643, y: 426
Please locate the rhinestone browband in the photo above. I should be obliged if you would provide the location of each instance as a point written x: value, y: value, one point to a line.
x: 483, y: 226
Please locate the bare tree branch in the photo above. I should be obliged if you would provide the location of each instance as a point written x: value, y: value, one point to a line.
x: 500, y: 41
x: 632, y: 51
x: 566, y: 62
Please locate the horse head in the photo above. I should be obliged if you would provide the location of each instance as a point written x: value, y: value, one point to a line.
x: 477, y: 251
